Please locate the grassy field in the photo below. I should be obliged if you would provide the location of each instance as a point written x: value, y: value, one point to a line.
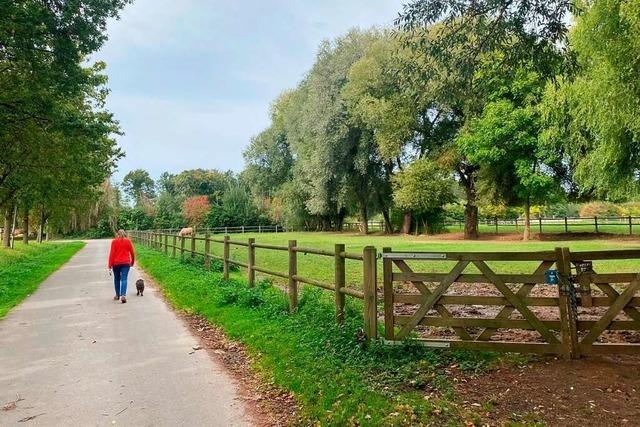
x: 23, y: 268
x: 322, y: 268
x: 381, y: 385
x: 376, y: 386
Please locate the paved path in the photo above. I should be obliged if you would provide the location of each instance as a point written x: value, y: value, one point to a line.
x: 76, y: 357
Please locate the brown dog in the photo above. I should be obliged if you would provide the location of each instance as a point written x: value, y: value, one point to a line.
x: 140, y: 287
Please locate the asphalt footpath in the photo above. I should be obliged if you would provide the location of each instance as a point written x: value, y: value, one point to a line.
x: 70, y: 355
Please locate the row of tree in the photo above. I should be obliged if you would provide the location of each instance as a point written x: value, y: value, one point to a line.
x: 464, y: 100
x: 56, y: 137
x: 196, y: 198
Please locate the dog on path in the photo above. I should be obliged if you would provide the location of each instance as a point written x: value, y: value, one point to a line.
x: 140, y: 287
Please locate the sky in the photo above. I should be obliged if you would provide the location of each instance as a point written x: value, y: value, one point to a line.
x: 192, y: 80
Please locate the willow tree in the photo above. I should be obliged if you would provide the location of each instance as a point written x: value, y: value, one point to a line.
x: 593, y: 117
x: 408, y: 116
x: 335, y: 158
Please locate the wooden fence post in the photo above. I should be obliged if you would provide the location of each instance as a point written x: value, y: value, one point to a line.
x: 387, y: 279
x: 293, y: 271
x: 566, y: 225
x: 540, y: 224
x: 166, y: 244
x: 630, y: 226
x: 340, y: 281
x: 370, y: 292
x: 193, y: 244
x: 496, y: 221
x: 207, y: 259
x: 595, y: 221
x: 175, y: 243
x: 568, y: 320
x: 251, y: 261
x: 225, y: 258
x: 182, y: 248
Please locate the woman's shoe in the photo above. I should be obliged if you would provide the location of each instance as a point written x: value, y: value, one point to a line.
x: 123, y: 299
x: 116, y: 298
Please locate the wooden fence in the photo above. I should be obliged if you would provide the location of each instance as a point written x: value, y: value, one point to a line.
x: 596, y: 224
x: 561, y: 306
x: 181, y: 246
x: 240, y: 229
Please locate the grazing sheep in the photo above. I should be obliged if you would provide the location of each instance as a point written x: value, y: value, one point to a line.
x: 188, y: 231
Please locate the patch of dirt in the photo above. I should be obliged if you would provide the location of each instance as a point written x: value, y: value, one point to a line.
x: 545, y: 313
x: 268, y: 405
x: 590, y: 392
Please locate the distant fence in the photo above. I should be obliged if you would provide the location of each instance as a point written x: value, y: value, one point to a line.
x: 612, y: 225
x: 239, y: 229
x: 567, y: 224
x: 549, y: 309
x: 596, y: 224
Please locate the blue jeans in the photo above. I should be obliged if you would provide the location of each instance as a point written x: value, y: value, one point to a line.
x: 120, y: 273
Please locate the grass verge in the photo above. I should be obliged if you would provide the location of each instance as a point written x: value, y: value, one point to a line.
x: 23, y: 268
x: 335, y: 380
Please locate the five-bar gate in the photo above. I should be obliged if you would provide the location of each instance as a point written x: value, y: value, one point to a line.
x: 482, y: 300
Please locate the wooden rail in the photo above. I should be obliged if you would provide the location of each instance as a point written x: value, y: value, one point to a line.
x: 185, y: 246
x: 613, y: 299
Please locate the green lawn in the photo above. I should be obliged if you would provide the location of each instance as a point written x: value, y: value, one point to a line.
x: 333, y: 378
x: 322, y: 268
x: 23, y: 268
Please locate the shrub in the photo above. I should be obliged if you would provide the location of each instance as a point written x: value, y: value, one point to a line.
x: 602, y: 209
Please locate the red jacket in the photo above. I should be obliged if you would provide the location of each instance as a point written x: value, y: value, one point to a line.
x: 121, y: 252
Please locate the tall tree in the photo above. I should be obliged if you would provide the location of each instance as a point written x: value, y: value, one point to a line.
x: 139, y: 186
x: 269, y: 160
x: 325, y: 141
x: 515, y: 168
x: 594, y: 117
x: 407, y: 115
x: 458, y: 34
x: 54, y: 129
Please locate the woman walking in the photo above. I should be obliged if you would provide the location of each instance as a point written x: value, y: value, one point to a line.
x: 121, y: 259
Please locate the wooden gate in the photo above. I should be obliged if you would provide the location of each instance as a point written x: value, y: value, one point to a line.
x: 607, y: 303
x: 483, y: 301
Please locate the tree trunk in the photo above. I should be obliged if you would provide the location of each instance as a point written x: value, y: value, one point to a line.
x: 25, y: 227
x: 527, y: 220
x: 470, y: 209
x: 6, y: 229
x: 388, y: 228
x: 340, y: 219
x: 364, y: 218
x: 41, y: 226
x: 406, y: 223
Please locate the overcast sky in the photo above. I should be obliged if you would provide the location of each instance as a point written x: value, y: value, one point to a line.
x: 192, y: 80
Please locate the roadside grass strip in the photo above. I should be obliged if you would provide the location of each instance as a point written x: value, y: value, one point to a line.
x: 25, y: 267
